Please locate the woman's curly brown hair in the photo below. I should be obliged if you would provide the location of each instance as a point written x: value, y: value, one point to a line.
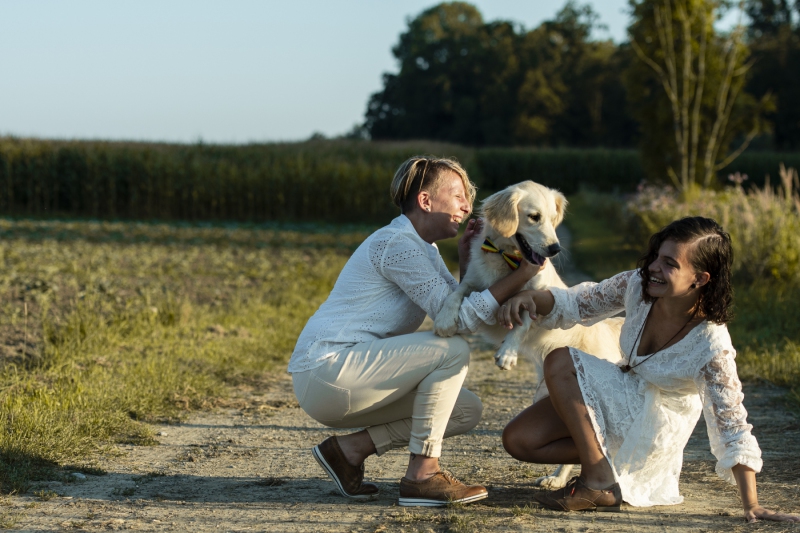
x: 713, y: 253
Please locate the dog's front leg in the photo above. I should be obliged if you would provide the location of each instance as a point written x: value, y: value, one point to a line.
x: 556, y: 480
x: 446, y: 322
x: 506, y: 357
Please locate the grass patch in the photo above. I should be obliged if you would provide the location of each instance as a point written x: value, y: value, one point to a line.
x: 766, y: 335
x: 45, y: 495
x: 108, y: 325
x: 600, y: 246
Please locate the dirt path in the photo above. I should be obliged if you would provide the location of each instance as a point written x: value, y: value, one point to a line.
x: 250, y: 470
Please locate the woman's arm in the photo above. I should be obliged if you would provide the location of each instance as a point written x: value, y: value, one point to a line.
x: 401, y: 260
x: 505, y: 288
x: 473, y: 230
x: 737, y: 452
x: 586, y: 303
x: 531, y: 301
x: 746, y: 481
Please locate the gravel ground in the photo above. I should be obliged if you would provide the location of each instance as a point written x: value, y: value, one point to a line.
x: 250, y: 469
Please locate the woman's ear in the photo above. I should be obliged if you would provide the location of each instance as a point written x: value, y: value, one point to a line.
x: 702, y: 278
x: 500, y: 211
x: 424, y: 200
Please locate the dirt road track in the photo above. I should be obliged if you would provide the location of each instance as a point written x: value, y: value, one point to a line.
x: 250, y: 469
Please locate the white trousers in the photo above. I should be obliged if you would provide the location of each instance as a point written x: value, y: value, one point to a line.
x: 405, y: 390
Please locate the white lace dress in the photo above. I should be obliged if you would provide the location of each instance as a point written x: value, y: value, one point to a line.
x: 643, y: 419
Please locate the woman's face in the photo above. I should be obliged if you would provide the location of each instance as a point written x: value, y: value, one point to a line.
x: 672, y: 273
x: 450, y: 205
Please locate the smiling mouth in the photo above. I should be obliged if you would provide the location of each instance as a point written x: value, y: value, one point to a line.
x: 657, y: 281
x: 527, y: 251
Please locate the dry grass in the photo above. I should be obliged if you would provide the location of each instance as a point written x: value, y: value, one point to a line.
x: 109, y: 324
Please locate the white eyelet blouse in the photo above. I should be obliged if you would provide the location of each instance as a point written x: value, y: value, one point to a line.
x: 386, y: 288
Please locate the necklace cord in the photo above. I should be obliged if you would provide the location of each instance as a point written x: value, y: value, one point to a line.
x: 628, y: 367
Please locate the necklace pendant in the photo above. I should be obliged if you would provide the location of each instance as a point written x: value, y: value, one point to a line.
x: 625, y: 369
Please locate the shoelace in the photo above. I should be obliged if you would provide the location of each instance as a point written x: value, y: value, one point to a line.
x: 448, y: 476
x: 574, y: 483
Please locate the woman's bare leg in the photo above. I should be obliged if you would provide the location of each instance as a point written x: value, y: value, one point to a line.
x: 538, y: 435
x: 567, y: 401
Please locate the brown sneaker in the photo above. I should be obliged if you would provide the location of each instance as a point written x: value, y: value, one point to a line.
x: 348, y: 478
x: 439, y: 489
x: 576, y: 496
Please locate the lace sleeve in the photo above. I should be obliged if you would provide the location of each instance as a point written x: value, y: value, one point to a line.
x: 726, y: 418
x: 588, y: 303
x: 402, y: 261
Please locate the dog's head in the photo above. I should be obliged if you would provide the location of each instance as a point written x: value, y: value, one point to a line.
x: 525, y: 215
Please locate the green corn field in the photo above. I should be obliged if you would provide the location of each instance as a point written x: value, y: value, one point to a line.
x: 325, y: 180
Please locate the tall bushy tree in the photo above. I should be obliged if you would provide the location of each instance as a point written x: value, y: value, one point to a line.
x: 494, y: 83
x: 455, y: 82
x: 571, y: 93
x: 774, y: 38
x: 687, y: 90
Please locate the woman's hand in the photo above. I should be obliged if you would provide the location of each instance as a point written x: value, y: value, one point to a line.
x: 510, y: 312
x: 746, y: 481
x: 759, y: 513
x: 473, y: 229
x: 471, y: 232
x: 531, y: 269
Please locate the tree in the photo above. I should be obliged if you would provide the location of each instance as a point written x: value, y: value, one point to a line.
x: 571, y: 84
x: 494, y: 83
x: 455, y: 83
x: 687, y: 89
x: 774, y: 38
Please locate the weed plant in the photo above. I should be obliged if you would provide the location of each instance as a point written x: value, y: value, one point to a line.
x: 110, y: 324
x: 764, y: 223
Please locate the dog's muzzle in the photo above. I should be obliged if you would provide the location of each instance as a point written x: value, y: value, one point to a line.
x: 530, y: 255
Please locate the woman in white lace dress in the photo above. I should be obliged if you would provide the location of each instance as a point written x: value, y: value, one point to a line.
x: 627, y: 424
x: 359, y: 361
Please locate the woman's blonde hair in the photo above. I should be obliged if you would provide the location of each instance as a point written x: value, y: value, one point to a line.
x: 424, y: 173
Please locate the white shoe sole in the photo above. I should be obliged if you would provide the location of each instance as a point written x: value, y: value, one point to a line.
x: 423, y: 502
x: 327, y: 468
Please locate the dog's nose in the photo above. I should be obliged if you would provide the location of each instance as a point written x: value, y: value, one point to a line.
x: 553, y: 249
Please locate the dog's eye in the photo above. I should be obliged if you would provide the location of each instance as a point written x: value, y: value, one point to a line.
x: 535, y: 218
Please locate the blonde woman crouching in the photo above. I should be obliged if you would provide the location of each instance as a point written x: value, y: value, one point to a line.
x: 359, y: 362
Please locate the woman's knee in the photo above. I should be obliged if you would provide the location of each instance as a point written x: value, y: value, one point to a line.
x: 459, y: 346
x: 471, y: 408
x: 558, y: 363
x: 514, y: 440
x: 457, y: 349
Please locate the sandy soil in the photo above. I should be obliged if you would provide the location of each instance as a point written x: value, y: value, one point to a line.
x: 250, y: 469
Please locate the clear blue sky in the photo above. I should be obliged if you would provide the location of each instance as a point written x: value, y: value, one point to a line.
x: 224, y: 71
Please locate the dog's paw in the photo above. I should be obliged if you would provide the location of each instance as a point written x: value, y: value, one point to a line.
x: 550, y: 482
x: 506, y: 358
x: 446, y: 322
x: 445, y: 328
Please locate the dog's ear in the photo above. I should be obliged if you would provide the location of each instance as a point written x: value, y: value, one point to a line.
x: 561, y: 207
x: 500, y: 211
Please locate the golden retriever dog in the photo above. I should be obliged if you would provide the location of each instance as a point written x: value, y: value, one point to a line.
x: 521, y: 220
